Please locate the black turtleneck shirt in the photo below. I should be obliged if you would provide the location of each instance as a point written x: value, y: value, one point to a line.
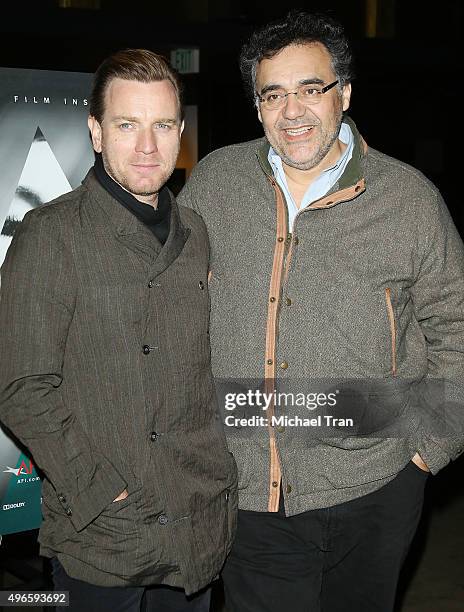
x: 157, y: 219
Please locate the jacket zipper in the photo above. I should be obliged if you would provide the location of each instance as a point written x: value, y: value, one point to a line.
x: 391, y: 319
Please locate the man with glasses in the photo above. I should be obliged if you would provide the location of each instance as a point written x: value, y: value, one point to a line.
x: 334, y: 269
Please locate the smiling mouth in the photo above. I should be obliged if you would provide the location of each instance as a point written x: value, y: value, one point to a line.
x: 298, y: 131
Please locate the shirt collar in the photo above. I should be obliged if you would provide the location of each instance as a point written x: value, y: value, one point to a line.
x: 322, y: 183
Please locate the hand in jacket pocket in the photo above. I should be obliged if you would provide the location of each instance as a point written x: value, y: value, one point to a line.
x: 121, y: 496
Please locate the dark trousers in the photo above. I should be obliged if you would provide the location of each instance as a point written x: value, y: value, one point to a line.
x: 85, y: 597
x: 341, y: 559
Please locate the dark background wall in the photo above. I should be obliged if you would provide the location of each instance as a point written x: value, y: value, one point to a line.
x: 405, y: 98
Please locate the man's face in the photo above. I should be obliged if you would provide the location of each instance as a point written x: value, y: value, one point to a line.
x: 304, y: 137
x: 139, y: 136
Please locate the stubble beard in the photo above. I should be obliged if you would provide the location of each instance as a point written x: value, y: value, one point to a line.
x: 327, y: 140
x: 125, y: 182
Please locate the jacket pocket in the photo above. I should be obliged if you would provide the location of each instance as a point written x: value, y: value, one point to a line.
x: 393, y: 330
x: 113, y: 539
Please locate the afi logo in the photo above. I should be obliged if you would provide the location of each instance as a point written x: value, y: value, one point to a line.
x: 23, y: 469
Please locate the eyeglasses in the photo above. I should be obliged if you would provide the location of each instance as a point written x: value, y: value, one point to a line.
x: 305, y: 94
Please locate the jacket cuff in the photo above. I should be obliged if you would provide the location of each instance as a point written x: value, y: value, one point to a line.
x: 86, y: 505
x: 433, y: 455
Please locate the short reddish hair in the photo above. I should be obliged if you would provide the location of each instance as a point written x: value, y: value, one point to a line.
x: 131, y: 65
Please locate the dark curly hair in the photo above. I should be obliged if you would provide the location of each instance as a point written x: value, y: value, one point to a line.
x: 298, y: 27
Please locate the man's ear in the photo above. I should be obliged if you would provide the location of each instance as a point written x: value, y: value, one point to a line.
x: 182, y: 125
x: 346, y: 96
x: 258, y: 110
x: 96, y: 133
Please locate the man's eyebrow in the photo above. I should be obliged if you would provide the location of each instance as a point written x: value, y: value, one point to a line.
x: 170, y: 120
x: 124, y: 118
x: 137, y: 119
x: 275, y: 86
x: 313, y: 81
x: 270, y: 87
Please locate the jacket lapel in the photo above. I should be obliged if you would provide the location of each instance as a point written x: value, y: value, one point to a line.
x: 133, y: 234
x: 138, y: 238
x: 178, y: 236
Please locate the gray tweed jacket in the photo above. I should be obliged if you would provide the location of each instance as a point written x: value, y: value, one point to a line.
x: 105, y: 377
x: 363, y: 296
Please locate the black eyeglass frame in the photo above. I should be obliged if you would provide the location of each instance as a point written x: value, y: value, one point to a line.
x: 322, y: 91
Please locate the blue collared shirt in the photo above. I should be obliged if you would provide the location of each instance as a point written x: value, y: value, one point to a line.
x: 321, y: 185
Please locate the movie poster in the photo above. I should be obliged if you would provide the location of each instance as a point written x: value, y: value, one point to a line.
x: 45, y: 151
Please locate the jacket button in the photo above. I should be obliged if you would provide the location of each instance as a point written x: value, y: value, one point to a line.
x: 201, y: 285
x: 151, y: 284
x: 146, y: 349
x: 275, y: 484
x: 288, y: 301
x: 296, y: 240
x: 163, y: 519
x: 153, y: 436
x: 288, y: 489
x: 284, y: 365
x: 68, y: 511
x: 280, y: 428
x: 62, y: 498
x: 227, y: 496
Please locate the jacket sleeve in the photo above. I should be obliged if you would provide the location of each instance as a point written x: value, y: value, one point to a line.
x: 37, y: 297
x: 188, y: 196
x: 438, y: 297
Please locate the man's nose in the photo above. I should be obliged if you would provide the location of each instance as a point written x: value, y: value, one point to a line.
x: 146, y: 142
x: 293, y: 107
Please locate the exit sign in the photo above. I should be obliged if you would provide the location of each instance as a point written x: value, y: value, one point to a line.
x: 186, y: 60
